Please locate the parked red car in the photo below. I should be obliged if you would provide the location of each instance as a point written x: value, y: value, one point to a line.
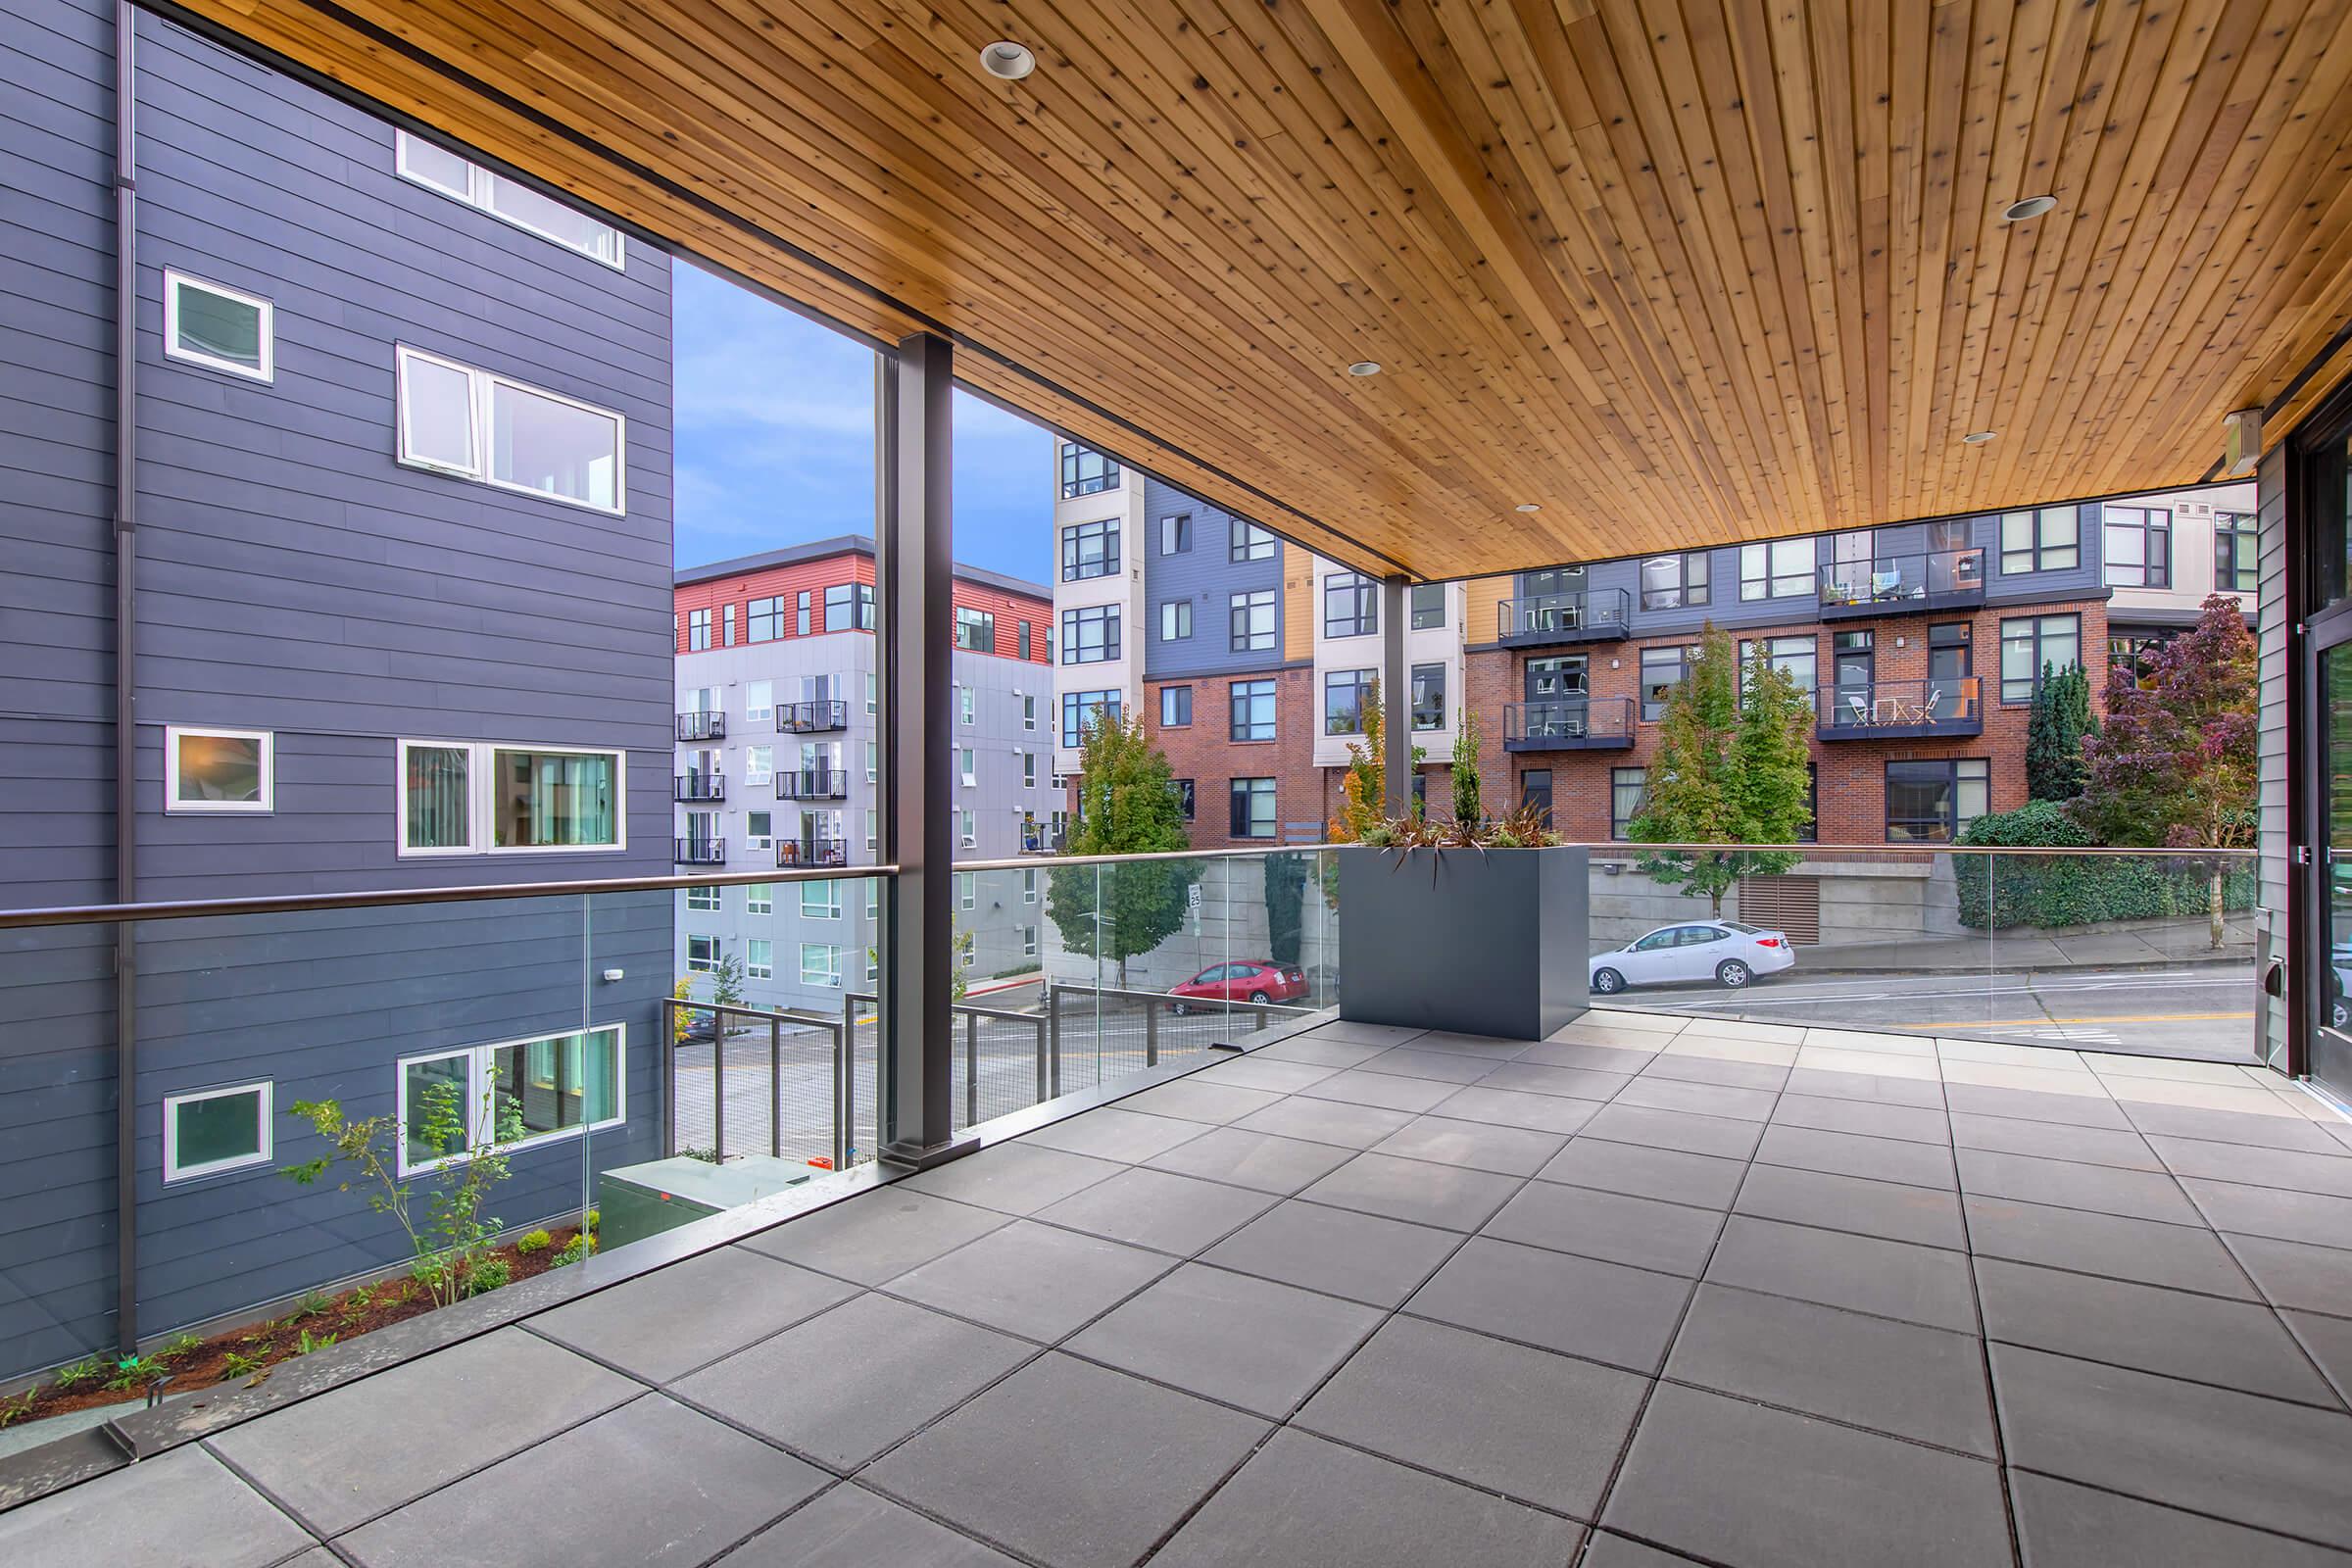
x: 1245, y: 980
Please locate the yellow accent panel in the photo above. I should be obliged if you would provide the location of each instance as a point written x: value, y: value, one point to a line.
x: 1297, y: 602
x: 1486, y: 595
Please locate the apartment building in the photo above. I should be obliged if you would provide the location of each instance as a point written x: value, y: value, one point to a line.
x: 779, y: 763
x: 396, y: 548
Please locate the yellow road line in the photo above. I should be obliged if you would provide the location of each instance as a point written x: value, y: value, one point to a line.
x: 2121, y: 1017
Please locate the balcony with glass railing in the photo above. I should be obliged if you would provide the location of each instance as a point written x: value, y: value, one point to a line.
x: 1569, y: 724
x: 812, y: 784
x: 1543, y: 620
x: 1900, y: 709
x: 698, y: 787
x: 702, y: 725
x: 1902, y: 584
x: 699, y: 851
x: 812, y: 717
x: 801, y: 852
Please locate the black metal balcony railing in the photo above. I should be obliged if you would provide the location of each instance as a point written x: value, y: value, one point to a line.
x: 699, y: 852
x: 792, y: 852
x: 1902, y: 710
x: 1568, y: 724
x: 1596, y: 615
x: 812, y: 784
x: 814, y: 718
x: 700, y: 726
x: 1041, y: 838
x: 698, y: 787
x: 1898, y: 585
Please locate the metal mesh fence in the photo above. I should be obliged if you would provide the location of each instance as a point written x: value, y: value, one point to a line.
x: 767, y: 1089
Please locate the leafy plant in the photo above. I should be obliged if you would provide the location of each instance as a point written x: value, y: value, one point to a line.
x: 535, y: 1241
x: 707, y: 1155
x: 1523, y: 829
x: 571, y: 1251
x: 488, y: 1274
x: 238, y: 1364
x: 89, y: 1369
x: 588, y: 1222
x: 441, y: 1210
x: 1467, y: 808
x: 2056, y: 728
x: 305, y: 1344
x: 314, y: 1303
x: 1128, y: 803
x: 180, y: 1345
x: 1363, y: 787
x: 18, y: 1408
x: 134, y: 1372
x: 359, y: 1301
x: 681, y: 1019
x: 726, y: 981
x: 1286, y: 902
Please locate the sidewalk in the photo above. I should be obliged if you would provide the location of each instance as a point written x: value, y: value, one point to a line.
x: 2165, y: 945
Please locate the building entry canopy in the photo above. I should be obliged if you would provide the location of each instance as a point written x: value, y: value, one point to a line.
x: 1447, y: 290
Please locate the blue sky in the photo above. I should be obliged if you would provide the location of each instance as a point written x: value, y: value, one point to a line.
x: 775, y: 430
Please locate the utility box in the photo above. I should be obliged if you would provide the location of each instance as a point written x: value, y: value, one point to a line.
x: 634, y: 1202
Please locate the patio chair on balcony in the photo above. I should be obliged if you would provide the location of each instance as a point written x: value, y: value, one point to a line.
x: 1858, y: 707
x: 1925, y: 712
x: 1886, y: 585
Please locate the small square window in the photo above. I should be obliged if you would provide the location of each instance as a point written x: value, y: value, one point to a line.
x: 219, y: 328
x: 217, y: 770
x: 214, y: 1130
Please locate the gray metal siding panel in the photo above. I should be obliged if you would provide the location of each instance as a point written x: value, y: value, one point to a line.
x: 2276, y: 832
x: 1209, y: 577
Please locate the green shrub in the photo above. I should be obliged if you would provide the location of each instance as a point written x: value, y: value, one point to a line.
x: 573, y: 1251
x: 88, y: 1370
x: 2069, y: 890
x: 488, y: 1275
x: 536, y: 1241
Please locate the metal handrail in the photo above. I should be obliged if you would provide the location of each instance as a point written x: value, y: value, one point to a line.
x: 1857, y: 582
x: 1602, y: 715
x: 1594, y: 608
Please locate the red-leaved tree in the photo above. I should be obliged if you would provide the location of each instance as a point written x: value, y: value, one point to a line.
x: 2175, y: 764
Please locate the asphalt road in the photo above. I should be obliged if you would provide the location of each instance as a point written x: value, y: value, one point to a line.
x: 2187, y: 1010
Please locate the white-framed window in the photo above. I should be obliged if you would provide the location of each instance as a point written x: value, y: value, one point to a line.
x: 760, y: 960
x: 873, y: 760
x: 493, y: 798
x: 218, y: 327
x: 759, y: 702
x: 554, y: 1085
x: 461, y: 179
x: 758, y: 764
x: 478, y: 425
x: 702, y: 955
x: 820, y: 901
x: 219, y: 769
x: 873, y: 965
x: 968, y: 761
x: 967, y: 827
x: 760, y: 829
x: 870, y: 699
x: 1028, y: 887
x: 1028, y: 770
x: 703, y: 899
x: 1028, y: 941
x: 1028, y: 710
x: 820, y: 964
x: 873, y: 827
x: 759, y: 898
x: 967, y: 956
x: 966, y: 704
x: 208, y: 1131
x: 968, y: 889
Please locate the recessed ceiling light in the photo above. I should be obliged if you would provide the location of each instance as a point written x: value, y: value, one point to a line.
x: 1977, y: 438
x: 1530, y: 506
x: 2030, y: 207
x: 1007, y: 59
x: 1364, y: 368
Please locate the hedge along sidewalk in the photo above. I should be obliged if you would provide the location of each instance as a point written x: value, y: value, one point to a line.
x: 2171, y: 943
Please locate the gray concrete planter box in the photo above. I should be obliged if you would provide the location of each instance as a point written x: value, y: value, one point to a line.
x: 1488, y: 941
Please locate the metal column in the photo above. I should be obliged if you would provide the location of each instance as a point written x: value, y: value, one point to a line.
x: 914, y: 540
x: 1396, y: 701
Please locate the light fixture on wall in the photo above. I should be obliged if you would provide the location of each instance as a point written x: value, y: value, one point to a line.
x: 1007, y: 61
x: 1362, y: 367
x: 1530, y: 506
x: 1977, y: 438
x: 2017, y: 212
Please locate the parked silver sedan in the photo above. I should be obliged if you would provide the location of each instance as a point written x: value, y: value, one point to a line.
x: 1725, y: 952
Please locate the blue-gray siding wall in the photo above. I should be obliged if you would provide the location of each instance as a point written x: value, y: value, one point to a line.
x: 1208, y: 576
x: 295, y: 579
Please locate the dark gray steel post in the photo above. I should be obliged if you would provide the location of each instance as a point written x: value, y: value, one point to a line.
x: 1396, y: 701
x: 775, y: 1086
x: 915, y: 539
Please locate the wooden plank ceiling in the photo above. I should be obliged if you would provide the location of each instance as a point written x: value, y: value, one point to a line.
x: 1676, y: 272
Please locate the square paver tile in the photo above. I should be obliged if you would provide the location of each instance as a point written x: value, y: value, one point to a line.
x: 1573, y: 1083
x: 851, y: 1527
x: 2051, y: 1140
x: 2286, y: 1168
x: 1605, y: 1551
x: 2135, y: 1194
x: 1882, y: 1160
x: 1014, y: 1178
x: 1337, y: 1251
x: 393, y: 1437
x: 1029, y: 1463
x: 2047, y: 1057
x: 692, y: 1486
x: 1838, y: 1084
x: 1568, y: 1052
x: 1447, y: 1066
x: 1317, y: 1050
x: 1900, y: 1378
x: 1445, y: 1196
x: 1714, y: 1070
x: 1382, y: 1035
x: 1646, y: 1172
x: 1243, y: 1159
x: 1896, y: 1210
x: 2031, y: 1105
x: 2184, y: 1258
x: 1701, y: 1039
x: 1662, y: 1092
x: 2212, y: 1450
x: 2327, y: 1340
x: 1032, y: 1280
x: 1193, y: 1101
x: 2037, y: 1080
x: 1516, y: 1107
x: 1494, y: 1047
x: 1263, y: 1072
x: 1636, y: 1019
x: 876, y: 1236
x: 844, y: 1387
x: 1917, y: 1046
x: 1230, y: 1336
x: 1475, y: 1145
x: 1891, y: 1279
x: 2238, y: 1345
x: 1872, y: 1063
x: 1641, y: 1231
x: 2313, y: 1218
x: 2296, y: 1274
x: 1576, y: 1305
x: 1545, y: 1428
x: 2244, y: 1099
x: 1160, y: 1209
x: 2231, y: 1127
x: 1326, y: 1122
x: 2066, y: 1526
x: 1302, y: 1501
x: 665, y: 1324
x: 1726, y: 1137
x: 1784, y: 1490
x: 1382, y: 1089
x: 1869, y: 1118
x: 1112, y: 1133
x: 181, y: 1508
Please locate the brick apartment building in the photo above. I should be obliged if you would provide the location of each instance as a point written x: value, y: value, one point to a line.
x: 1921, y: 644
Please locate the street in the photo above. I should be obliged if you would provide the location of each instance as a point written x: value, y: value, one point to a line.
x: 2185, y: 1010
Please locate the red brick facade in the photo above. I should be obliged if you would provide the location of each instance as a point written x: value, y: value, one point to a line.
x: 1205, y: 751
x: 814, y: 576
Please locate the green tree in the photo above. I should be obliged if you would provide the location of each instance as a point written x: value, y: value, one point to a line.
x: 2056, y: 728
x: 726, y: 981
x: 1128, y: 803
x: 1467, y: 808
x: 1363, y: 790
x: 1730, y: 770
x: 1286, y: 907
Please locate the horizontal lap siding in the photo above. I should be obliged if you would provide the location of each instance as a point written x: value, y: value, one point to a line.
x: 2276, y: 831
